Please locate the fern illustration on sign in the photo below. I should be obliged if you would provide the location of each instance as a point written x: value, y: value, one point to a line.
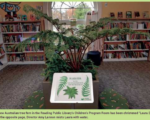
x: 86, y: 88
x: 62, y: 83
x: 71, y: 92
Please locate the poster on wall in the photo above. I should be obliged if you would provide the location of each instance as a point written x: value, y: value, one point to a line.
x: 11, y: 9
x: 72, y: 88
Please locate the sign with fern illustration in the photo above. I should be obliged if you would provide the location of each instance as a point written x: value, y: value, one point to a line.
x: 72, y: 88
x: 71, y: 92
x: 63, y: 81
x: 86, y: 88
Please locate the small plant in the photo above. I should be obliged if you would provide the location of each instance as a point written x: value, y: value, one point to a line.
x: 71, y: 92
x: 66, y: 48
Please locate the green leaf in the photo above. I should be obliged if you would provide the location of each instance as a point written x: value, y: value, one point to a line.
x: 63, y: 81
x: 71, y: 92
x: 85, y: 88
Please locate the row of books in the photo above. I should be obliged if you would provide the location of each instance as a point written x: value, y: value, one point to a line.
x: 115, y: 46
x: 136, y: 36
x: 2, y: 51
x: 22, y: 57
x: 11, y: 48
x: 12, y: 38
x: 127, y: 37
x: 117, y: 38
x: 16, y: 57
x: 31, y: 48
x: 19, y: 28
x: 35, y: 58
x: 128, y: 45
x: 132, y: 25
x: 120, y: 55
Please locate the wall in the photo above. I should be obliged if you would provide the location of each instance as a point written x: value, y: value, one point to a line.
x: 33, y: 4
x: 123, y: 7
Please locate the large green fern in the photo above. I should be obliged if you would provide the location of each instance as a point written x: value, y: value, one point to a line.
x: 63, y: 81
x: 86, y: 88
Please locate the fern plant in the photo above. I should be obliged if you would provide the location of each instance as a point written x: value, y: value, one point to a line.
x: 85, y: 88
x: 62, y: 84
x: 68, y: 46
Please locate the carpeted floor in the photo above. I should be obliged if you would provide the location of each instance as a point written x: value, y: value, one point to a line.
x: 131, y: 79
x: 17, y: 82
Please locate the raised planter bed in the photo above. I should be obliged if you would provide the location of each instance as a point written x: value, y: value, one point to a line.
x: 48, y: 105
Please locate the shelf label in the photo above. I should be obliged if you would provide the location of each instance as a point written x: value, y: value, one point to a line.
x: 72, y: 88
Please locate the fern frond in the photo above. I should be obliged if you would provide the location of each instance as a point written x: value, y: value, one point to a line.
x: 85, y: 88
x: 62, y: 84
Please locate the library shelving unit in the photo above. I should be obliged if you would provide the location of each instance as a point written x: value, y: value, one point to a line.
x: 14, y: 32
x: 2, y: 56
x: 127, y: 47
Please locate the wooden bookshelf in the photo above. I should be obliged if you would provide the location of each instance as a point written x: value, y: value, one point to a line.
x: 11, y: 43
x: 26, y: 62
x: 137, y: 50
x: 126, y: 59
x: 128, y: 42
x: 114, y: 42
x: 141, y: 29
x: 33, y: 51
x: 125, y: 19
x: 38, y: 57
x: 139, y: 40
x: 10, y: 22
x: 18, y: 32
x: 2, y: 55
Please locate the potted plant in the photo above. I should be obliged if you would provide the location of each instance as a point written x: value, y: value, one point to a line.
x: 65, y: 51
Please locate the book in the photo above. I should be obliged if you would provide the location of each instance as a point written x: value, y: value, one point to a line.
x: 129, y: 14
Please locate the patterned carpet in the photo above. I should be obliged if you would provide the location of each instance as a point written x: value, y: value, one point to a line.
x: 130, y: 79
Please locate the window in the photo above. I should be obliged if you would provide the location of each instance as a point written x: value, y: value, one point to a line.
x: 65, y: 11
x: 69, y: 10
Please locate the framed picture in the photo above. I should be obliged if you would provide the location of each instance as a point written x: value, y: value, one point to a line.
x: 146, y: 14
x: 112, y: 14
x: 129, y: 14
x: 32, y: 17
x: 136, y: 14
x: 40, y: 8
x: 120, y: 15
x: 24, y: 17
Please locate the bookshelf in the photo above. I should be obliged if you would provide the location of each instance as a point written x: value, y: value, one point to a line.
x: 2, y: 55
x: 18, y: 32
x: 128, y: 47
x: 2, y: 52
x: 14, y: 32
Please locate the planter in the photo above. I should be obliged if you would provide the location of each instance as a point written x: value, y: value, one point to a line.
x: 48, y: 105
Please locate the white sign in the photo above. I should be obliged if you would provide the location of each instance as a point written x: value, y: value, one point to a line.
x: 72, y: 88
